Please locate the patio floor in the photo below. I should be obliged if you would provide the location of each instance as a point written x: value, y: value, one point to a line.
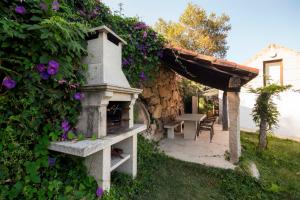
x: 200, y: 151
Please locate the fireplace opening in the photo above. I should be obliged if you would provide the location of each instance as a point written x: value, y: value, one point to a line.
x: 117, y: 116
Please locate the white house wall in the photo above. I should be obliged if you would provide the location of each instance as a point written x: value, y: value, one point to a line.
x: 288, y: 102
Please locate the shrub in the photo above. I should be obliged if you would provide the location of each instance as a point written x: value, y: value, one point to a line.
x: 265, y: 113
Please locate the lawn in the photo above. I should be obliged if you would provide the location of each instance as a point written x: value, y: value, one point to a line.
x: 162, y: 178
x: 279, y: 165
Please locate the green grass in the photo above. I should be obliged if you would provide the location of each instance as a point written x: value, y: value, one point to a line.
x: 163, y: 178
x: 279, y: 165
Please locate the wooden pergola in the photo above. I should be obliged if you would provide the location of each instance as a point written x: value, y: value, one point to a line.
x: 217, y: 73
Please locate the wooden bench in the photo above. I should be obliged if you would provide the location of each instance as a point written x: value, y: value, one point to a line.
x: 171, y: 126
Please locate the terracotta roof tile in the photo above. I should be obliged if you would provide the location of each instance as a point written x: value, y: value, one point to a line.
x: 215, y: 61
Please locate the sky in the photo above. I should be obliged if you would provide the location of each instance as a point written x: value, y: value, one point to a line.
x: 255, y: 23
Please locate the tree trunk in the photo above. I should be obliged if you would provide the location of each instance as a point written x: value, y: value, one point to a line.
x: 263, y: 134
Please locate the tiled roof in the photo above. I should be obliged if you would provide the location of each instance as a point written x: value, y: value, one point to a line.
x: 215, y: 61
x: 207, y: 70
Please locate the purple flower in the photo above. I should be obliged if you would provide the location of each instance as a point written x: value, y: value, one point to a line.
x: 78, y: 96
x: 142, y: 48
x: 8, y: 83
x: 160, y: 54
x: 82, y: 13
x: 62, y: 81
x: 94, y: 13
x: 140, y: 25
x: 130, y: 60
x: 99, y: 192
x: 52, y: 67
x: 145, y: 34
x: 44, y: 75
x: 142, y: 76
x: 65, y: 126
x: 40, y: 68
x: 153, y: 34
x: 20, y: 10
x: 55, y: 5
x: 64, y: 136
x: 51, y: 161
x: 125, y: 62
x: 43, y: 6
x: 74, y: 85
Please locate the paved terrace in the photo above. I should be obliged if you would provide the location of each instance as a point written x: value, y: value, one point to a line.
x: 200, y: 151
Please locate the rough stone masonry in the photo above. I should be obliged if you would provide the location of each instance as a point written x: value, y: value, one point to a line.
x: 163, y: 99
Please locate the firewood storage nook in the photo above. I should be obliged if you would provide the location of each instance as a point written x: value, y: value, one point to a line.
x: 107, y: 112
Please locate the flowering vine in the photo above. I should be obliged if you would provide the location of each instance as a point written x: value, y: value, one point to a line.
x: 55, y: 5
x: 20, y: 10
x: 8, y: 83
x: 141, y: 56
x: 42, y: 43
x: 40, y: 75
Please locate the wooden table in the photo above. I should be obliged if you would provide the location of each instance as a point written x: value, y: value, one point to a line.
x: 190, y: 124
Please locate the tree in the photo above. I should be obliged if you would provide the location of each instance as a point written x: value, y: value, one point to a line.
x: 265, y: 113
x: 197, y: 31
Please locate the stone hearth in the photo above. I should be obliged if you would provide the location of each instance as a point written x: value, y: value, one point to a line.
x: 105, y: 83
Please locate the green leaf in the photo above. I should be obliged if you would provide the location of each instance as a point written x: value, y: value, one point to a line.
x: 68, y: 189
x: 71, y: 135
x: 35, y: 178
x: 35, y: 18
x: 94, y: 137
x: 53, y: 136
x: 274, y: 188
x: 44, y: 59
x: 45, y: 34
x: 18, y: 187
x: 34, y: 27
x: 15, y: 118
x: 54, y: 185
x: 16, y: 190
x: 32, y: 170
x: 81, y: 137
x: 81, y: 187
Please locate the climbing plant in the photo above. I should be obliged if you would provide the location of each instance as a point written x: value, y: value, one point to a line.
x: 265, y: 113
x: 40, y: 72
x: 141, y: 54
x: 42, y: 44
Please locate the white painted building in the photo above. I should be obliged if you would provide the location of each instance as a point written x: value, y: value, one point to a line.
x: 280, y: 65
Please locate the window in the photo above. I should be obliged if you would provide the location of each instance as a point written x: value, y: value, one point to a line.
x: 273, y: 72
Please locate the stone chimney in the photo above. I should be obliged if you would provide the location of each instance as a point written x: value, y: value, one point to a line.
x: 107, y: 86
x: 105, y: 58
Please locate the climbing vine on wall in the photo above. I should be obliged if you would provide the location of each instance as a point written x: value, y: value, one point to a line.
x: 141, y: 57
x: 265, y: 113
x: 42, y: 43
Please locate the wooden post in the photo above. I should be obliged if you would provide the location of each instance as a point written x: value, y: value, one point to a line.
x: 234, y: 126
x: 225, y: 112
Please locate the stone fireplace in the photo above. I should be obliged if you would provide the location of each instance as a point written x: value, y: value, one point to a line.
x: 117, y: 116
x: 107, y: 112
x: 104, y: 104
x: 107, y: 88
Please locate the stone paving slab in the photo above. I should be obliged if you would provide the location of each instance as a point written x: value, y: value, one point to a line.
x: 200, y: 151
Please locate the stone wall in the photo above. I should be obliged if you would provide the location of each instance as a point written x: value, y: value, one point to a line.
x: 163, y: 100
